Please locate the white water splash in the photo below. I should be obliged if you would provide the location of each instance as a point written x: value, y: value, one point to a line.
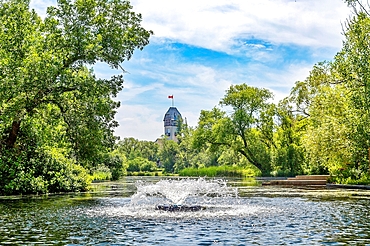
x: 148, y: 212
x: 182, y: 191
x: 218, y: 199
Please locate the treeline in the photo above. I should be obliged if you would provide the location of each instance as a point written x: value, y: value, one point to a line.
x: 57, y: 119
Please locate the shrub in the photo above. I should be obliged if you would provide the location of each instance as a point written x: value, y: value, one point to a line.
x: 282, y: 173
x: 363, y: 180
x: 41, y: 171
x: 140, y: 164
x: 101, y: 172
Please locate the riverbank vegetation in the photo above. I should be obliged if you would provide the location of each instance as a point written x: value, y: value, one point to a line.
x: 57, y: 118
x: 219, y: 171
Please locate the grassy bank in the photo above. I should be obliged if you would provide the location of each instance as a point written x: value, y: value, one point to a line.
x: 214, y: 171
x: 219, y: 171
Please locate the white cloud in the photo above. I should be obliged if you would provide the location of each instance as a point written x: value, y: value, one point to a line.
x: 40, y: 6
x: 132, y: 90
x: 217, y: 24
x: 139, y: 122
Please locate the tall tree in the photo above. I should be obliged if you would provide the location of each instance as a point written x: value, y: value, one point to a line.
x: 250, y: 109
x: 353, y: 71
x: 248, y: 129
x: 322, y: 107
x: 288, y: 154
x: 169, y: 154
x: 47, y: 84
x: 44, y: 62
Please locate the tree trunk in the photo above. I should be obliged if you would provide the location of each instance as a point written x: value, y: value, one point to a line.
x: 13, y: 134
x: 250, y: 159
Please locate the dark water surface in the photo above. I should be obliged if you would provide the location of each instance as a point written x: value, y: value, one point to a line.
x: 123, y: 213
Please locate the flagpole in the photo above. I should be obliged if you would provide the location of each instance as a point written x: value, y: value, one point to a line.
x: 173, y: 102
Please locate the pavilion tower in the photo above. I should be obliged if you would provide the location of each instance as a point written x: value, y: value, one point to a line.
x: 172, y: 120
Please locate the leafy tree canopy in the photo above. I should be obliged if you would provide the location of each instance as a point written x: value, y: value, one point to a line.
x: 46, y: 81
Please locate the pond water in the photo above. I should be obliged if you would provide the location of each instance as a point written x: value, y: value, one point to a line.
x: 124, y: 213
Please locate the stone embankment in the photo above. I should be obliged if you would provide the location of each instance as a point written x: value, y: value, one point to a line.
x: 301, y: 180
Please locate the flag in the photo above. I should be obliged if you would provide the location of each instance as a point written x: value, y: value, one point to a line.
x: 170, y: 96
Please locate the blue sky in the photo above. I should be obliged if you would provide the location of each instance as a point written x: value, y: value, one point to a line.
x: 201, y: 47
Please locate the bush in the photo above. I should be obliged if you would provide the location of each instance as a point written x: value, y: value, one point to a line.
x: 116, y: 165
x: 282, y: 173
x: 43, y: 171
x: 63, y: 175
x: 140, y: 164
x: 133, y: 166
x: 362, y: 180
x: 101, y: 172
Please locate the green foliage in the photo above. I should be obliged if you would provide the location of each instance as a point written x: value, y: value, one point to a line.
x: 50, y: 99
x: 135, y: 156
x: 322, y: 140
x: 40, y: 172
x: 140, y: 164
x: 188, y: 155
x: 101, y: 173
x: 116, y: 164
x: 364, y: 179
x: 353, y: 69
x: 132, y: 148
x: 219, y: 171
x: 333, y: 109
x: 249, y: 123
x: 248, y: 130
x: 288, y: 160
x: 148, y: 166
x: 288, y: 156
x: 133, y: 165
x: 169, y: 154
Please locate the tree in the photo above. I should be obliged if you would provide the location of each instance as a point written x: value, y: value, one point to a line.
x: 304, y: 92
x: 169, y: 153
x: 192, y: 153
x: 44, y: 73
x: 288, y: 154
x: 132, y: 148
x: 327, y: 138
x: 358, y: 6
x: 247, y: 122
x: 45, y: 62
x: 248, y: 130
x: 352, y: 67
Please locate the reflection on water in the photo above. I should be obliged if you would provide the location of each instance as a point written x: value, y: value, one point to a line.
x: 124, y: 213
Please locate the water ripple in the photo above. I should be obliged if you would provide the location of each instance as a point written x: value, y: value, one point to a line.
x: 254, y: 216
